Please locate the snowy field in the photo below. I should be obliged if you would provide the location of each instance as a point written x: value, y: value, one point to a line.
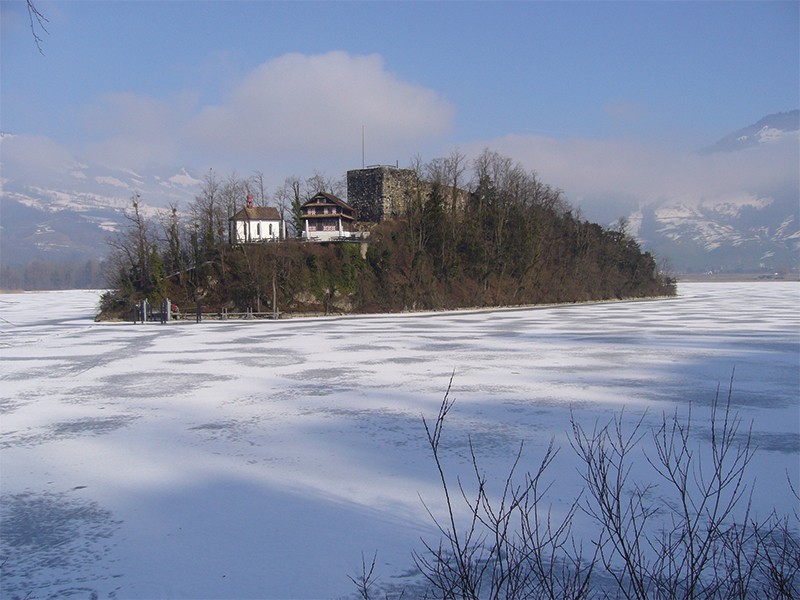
x: 246, y: 459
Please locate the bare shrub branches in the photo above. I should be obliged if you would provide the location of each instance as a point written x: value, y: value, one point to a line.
x: 688, y: 532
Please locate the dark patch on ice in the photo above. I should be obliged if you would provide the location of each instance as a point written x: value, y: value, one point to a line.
x: 250, y: 340
x: 295, y: 393
x: 273, y: 358
x: 487, y: 440
x: 440, y: 346
x: 783, y: 442
x: 626, y: 341
x: 308, y: 390
x: 90, y: 425
x: 66, y: 430
x: 39, y: 372
x: 213, y: 426
x: 372, y: 347
x: 53, y: 544
x: 8, y: 405
x: 332, y: 375
x: 384, y: 427
x: 762, y: 400
x: 398, y: 360
x: 230, y: 430
x: 739, y: 397
x: 87, y: 394
x: 68, y: 365
x: 156, y: 384
x: 495, y: 393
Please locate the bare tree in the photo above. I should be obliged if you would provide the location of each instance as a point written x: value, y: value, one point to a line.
x: 455, y: 166
x: 174, y: 244
x: 255, y: 185
x: 131, y: 251
x: 37, y: 22
x: 289, y: 198
x: 208, y: 214
x: 320, y: 182
x: 233, y: 194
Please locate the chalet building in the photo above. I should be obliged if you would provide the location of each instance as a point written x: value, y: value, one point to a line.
x: 326, y: 217
x: 256, y: 224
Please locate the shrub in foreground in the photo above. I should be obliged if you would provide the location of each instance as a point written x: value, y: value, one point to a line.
x: 697, y: 538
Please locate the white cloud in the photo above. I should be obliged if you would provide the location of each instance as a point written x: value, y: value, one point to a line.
x: 134, y: 151
x: 315, y: 106
x: 290, y: 115
x: 602, y: 175
x: 128, y: 113
x: 132, y: 131
x: 27, y: 155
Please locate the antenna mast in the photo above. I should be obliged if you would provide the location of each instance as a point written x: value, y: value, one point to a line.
x: 363, y: 164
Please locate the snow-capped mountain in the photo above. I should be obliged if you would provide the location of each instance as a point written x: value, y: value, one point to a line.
x: 760, y: 235
x: 768, y: 130
x: 53, y: 207
x: 67, y: 212
x: 756, y: 228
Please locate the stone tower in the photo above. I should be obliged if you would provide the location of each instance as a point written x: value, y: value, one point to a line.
x: 380, y: 192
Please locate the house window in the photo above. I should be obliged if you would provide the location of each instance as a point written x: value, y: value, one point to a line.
x: 258, y: 230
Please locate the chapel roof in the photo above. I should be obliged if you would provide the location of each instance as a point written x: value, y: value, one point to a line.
x: 257, y: 213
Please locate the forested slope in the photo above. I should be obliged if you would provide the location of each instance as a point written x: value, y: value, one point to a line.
x: 508, y: 239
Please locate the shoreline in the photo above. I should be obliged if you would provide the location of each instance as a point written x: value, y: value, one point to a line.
x: 734, y: 277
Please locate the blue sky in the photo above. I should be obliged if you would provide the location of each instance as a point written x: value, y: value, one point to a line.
x: 285, y: 88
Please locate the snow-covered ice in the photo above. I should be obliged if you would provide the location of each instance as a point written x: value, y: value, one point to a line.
x: 244, y: 459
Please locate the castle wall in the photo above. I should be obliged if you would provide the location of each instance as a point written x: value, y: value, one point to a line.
x: 381, y: 192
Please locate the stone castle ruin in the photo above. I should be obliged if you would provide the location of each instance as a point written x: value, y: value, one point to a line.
x: 380, y: 192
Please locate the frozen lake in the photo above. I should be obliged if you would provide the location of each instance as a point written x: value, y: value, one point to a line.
x: 245, y: 459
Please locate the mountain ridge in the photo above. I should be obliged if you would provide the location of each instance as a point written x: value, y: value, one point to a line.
x: 757, y: 229
x: 68, y: 213
x: 764, y: 131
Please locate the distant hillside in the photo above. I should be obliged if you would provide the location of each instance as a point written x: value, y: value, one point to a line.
x: 753, y: 230
x: 64, y: 213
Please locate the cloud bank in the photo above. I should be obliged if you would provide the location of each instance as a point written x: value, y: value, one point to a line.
x: 293, y: 109
x: 317, y: 105
x: 604, y: 175
x: 288, y: 116
x: 297, y: 113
